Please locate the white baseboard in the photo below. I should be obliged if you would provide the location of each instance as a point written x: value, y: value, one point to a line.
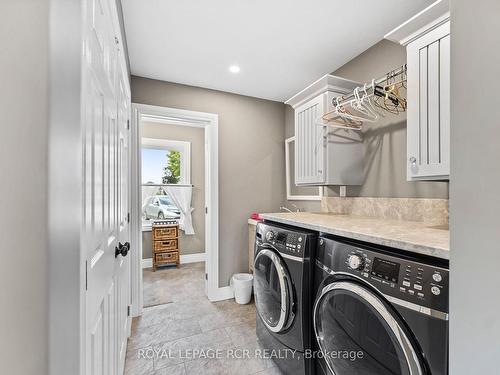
x: 188, y: 258
x: 147, y: 263
x: 222, y: 294
x: 192, y: 258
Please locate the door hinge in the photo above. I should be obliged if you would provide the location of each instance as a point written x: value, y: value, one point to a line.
x: 86, y: 276
x: 206, y: 276
x: 128, y: 310
x: 206, y: 210
x: 128, y: 124
x: 128, y: 217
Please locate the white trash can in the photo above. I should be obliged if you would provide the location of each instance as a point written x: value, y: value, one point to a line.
x: 242, y: 286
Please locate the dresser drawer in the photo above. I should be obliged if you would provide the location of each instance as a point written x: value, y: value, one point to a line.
x: 165, y: 245
x: 170, y: 257
x: 165, y: 233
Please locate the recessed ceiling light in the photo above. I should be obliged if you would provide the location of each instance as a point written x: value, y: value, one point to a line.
x: 234, y: 69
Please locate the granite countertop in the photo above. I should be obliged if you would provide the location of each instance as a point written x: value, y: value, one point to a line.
x: 412, y: 236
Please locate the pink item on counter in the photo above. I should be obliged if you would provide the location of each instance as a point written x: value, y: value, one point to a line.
x: 255, y: 216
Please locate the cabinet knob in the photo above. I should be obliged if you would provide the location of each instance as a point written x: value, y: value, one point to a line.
x: 320, y: 171
x: 413, y: 165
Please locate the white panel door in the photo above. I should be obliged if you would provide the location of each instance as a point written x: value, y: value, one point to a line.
x: 122, y: 262
x: 105, y: 161
x: 428, y: 138
x: 310, y: 143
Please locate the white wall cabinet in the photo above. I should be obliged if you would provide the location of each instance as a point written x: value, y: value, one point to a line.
x: 428, y: 142
x: 427, y: 40
x: 325, y: 155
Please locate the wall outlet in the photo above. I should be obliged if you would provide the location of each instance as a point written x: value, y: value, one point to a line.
x: 343, y: 191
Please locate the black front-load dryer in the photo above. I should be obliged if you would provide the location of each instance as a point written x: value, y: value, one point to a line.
x: 283, y: 281
x: 379, y: 311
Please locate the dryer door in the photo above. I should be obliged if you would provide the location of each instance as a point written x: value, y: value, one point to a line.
x: 273, y: 290
x: 359, y: 334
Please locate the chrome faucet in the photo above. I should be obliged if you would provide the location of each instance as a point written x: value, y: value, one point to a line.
x: 283, y: 208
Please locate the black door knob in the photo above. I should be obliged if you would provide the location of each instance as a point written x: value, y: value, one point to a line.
x: 118, y: 251
x: 125, y: 248
x: 122, y: 249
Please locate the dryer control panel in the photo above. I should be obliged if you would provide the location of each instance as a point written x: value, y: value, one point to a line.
x: 406, y: 278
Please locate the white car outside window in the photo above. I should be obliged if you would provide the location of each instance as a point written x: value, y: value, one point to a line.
x: 160, y: 207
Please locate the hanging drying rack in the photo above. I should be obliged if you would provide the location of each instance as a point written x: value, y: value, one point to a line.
x: 355, y: 122
x: 389, y: 76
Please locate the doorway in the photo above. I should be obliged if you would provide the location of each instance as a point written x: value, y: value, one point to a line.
x: 209, y: 124
x: 173, y: 190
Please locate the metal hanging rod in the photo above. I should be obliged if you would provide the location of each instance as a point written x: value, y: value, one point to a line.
x: 390, y: 75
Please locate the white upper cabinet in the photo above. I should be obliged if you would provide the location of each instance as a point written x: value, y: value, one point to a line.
x: 427, y: 40
x: 325, y: 155
x: 428, y: 142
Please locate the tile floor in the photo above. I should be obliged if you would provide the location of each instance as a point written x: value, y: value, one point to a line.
x: 170, y: 284
x: 182, y: 320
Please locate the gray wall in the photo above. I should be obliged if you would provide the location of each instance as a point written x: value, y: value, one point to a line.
x: 65, y: 186
x: 193, y: 243
x: 474, y: 193
x: 251, y: 158
x: 23, y: 165
x: 385, y: 140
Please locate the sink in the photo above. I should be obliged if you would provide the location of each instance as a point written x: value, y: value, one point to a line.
x: 328, y: 213
x: 441, y: 227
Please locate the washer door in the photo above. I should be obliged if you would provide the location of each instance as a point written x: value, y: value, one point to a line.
x: 358, y: 334
x: 273, y: 290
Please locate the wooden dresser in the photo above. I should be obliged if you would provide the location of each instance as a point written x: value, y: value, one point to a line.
x: 165, y: 243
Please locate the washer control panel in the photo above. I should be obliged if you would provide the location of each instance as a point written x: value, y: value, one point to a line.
x: 401, y: 277
x: 292, y: 242
x: 286, y: 241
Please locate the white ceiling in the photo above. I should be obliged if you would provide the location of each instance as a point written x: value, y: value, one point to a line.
x: 280, y: 45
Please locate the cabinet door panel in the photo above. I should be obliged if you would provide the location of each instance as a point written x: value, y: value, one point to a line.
x: 429, y: 105
x: 444, y: 98
x: 433, y: 134
x: 423, y: 151
x: 310, y: 147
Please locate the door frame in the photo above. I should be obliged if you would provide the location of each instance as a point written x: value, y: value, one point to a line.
x: 209, y: 122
